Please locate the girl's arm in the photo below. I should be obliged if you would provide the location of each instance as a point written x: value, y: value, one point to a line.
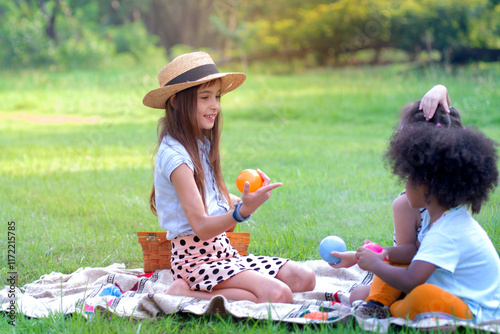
x: 435, y: 96
x: 404, y: 279
x: 204, y: 226
x: 406, y: 221
x: 235, y: 199
x: 347, y: 259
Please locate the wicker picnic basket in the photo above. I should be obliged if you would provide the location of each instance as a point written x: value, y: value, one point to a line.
x: 156, y: 249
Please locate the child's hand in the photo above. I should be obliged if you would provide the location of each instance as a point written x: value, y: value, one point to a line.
x: 367, y: 258
x: 376, y: 248
x: 435, y: 96
x: 347, y: 259
x: 251, y: 201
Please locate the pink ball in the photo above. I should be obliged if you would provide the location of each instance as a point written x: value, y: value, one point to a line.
x: 373, y: 247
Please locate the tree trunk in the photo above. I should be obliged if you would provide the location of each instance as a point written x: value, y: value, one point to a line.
x: 50, y: 29
x: 181, y: 22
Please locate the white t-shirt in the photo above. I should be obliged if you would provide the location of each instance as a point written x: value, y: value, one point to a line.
x: 467, y: 263
x: 171, y: 154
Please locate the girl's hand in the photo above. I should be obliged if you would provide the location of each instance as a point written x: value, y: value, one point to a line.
x: 435, y: 96
x: 376, y: 248
x: 347, y: 259
x: 367, y: 258
x: 251, y: 201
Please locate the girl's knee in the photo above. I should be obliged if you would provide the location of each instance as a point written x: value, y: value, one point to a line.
x: 280, y: 293
x: 299, y: 278
x: 308, y: 279
x: 359, y: 293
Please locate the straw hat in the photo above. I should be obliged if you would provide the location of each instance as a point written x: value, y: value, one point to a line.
x: 188, y: 70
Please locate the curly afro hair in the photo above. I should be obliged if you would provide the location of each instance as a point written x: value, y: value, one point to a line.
x: 456, y: 165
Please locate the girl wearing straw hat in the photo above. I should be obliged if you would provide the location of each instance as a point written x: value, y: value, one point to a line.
x: 191, y: 200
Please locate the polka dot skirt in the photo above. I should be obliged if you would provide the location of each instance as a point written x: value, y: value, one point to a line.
x: 205, y: 263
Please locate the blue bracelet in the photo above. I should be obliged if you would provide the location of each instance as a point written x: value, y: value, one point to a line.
x: 237, y: 214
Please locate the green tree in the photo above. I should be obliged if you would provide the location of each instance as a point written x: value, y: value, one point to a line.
x: 432, y: 25
x: 23, y: 37
x: 71, y: 32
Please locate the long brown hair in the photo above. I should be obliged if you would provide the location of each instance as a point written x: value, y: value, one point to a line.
x: 181, y: 123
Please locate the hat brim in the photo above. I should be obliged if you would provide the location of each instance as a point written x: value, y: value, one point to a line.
x: 157, y: 98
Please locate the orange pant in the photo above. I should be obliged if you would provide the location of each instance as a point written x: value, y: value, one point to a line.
x: 430, y: 298
x: 423, y: 298
x: 382, y: 292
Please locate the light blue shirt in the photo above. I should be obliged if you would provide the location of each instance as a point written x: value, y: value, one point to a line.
x: 171, y: 154
x: 467, y: 263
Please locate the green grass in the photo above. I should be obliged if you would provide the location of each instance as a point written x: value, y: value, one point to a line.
x: 78, y: 192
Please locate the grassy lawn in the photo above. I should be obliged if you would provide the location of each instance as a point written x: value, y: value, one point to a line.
x: 77, y: 180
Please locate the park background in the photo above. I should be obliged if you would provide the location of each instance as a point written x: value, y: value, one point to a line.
x: 326, y: 81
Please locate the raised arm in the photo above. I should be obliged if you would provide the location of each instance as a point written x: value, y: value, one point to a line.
x: 204, y: 226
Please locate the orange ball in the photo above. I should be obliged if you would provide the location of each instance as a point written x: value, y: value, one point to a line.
x: 252, y: 177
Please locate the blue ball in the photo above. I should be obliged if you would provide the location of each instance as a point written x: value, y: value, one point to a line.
x: 330, y: 244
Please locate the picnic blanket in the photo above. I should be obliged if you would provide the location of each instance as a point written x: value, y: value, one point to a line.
x: 133, y: 293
